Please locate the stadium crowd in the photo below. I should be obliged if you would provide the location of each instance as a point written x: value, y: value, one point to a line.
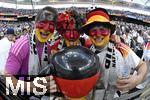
x: 129, y: 43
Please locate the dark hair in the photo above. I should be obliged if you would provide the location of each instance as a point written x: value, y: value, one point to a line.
x: 77, y: 17
x: 127, y: 30
x: 61, y: 20
x: 10, y: 31
x: 47, y: 8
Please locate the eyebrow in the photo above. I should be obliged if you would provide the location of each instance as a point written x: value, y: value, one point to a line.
x: 98, y: 27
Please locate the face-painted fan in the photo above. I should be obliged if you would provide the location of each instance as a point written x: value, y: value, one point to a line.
x: 76, y: 71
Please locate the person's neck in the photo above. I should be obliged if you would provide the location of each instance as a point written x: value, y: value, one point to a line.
x: 101, y: 48
x: 38, y: 42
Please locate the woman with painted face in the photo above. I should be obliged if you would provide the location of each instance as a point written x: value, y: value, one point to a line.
x: 114, y: 77
x: 30, y: 53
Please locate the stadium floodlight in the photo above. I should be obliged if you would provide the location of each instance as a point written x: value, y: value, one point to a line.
x: 20, y: 0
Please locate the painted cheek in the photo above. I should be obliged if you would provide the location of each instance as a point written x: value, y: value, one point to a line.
x: 39, y: 25
x: 104, y: 42
x: 91, y: 33
x: 51, y: 28
x: 105, y: 33
x: 67, y: 35
x: 99, y: 32
x: 38, y: 31
x: 74, y: 35
x: 46, y: 26
x: 97, y: 43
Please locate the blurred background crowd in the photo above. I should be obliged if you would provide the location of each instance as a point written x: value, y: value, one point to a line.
x: 132, y: 28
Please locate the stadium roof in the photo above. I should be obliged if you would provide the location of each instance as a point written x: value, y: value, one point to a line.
x: 139, y: 6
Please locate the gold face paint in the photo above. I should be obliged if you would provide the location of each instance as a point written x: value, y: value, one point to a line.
x: 42, y: 36
x: 82, y: 98
x: 99, y: 35
x: 71, y: 43
x: 100, y: 41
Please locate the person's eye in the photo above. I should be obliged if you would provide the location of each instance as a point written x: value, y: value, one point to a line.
x: 102, y: 29
x: 67, y: 30
x: 51, y: 26
x: 93, y: 31
x: 42, y: 23
x: 50, y: 17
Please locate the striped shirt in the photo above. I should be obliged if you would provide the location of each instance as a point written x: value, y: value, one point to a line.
x: 18, y: 58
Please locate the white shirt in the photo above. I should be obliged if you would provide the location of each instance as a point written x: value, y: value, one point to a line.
x: 146, y: 57
x: 5, y: 45
x: 128, y: 58
x: 140, y: 40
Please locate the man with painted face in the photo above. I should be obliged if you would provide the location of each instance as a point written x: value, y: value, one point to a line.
x: 68, y: 25
x: 99, y: 28
x: 30, y: 53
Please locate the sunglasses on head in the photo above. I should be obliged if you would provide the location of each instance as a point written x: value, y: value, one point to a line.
x: 99, y: 30
x: 46, y: 16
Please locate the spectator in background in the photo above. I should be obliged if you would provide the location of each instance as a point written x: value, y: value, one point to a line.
x: 146, y: 58
x: 127, y: 36
x: 5, y: 45
x: 25, y: 31
x: 140, y: 44
x: 1, y: 35
x: 140, y: 39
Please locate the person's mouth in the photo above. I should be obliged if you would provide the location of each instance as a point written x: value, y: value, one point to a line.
x: 71, y: 42
x: 99, y: 39
x: 44, y: 35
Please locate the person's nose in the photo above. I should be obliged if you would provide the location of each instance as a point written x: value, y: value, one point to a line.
x: 97, y: 33
x: 71, y: 34
x: 46, y: 27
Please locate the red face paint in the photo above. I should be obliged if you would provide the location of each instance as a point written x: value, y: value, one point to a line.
x: 71, y: 34
x: 46, y: 25
x: 99, y: 31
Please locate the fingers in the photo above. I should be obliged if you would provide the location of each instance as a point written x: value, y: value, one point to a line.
x: 53, y: 52
x: 123, y: 87
x: 123, y: 84
x: 51, y: 85
x: 122, y: 81
x: 49, y: 78
x: 57, y: 98
x: 52, y: 88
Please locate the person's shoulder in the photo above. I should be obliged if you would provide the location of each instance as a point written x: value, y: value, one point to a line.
x: 54, y: 46
x: 123, y: 49
x: 4, y: 41
x: 21, y: 44
x: 123, y: 46
x: 86, y: 42
x: 5, y: 44
x: 21, y: 41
